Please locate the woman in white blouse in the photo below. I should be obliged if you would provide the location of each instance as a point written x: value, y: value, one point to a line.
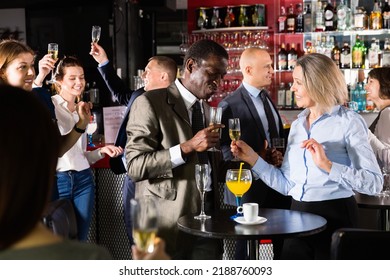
x: 74, y: 176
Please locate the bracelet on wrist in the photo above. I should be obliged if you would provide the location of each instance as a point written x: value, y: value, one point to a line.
x: 79, y: 130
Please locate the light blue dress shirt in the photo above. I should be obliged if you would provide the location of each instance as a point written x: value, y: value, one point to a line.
x: 343, y: 135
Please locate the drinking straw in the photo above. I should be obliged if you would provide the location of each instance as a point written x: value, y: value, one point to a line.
x: 239, y: 171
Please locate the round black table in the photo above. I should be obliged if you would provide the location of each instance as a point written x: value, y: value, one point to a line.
x: 376, y: 202
x: 280, y: 224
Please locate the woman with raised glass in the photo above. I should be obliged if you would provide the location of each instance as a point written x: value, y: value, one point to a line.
x: 328, y: 156
x: 75, y: 179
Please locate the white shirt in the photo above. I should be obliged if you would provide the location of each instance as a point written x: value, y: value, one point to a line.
x: 76, y: 158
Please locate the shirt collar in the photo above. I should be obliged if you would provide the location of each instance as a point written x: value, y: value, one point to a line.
x: 334, y: 111
x: 253, y: 91
x: 188, y: 97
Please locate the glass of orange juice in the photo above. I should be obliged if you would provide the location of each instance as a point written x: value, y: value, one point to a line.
x: 238, y: 182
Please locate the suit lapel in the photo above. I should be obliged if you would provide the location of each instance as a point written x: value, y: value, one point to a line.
x: 177, y: 102
x: 252, y: 109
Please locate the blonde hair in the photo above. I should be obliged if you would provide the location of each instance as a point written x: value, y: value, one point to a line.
x: 323, y: 80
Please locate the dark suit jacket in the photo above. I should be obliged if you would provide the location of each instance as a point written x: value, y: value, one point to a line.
x: 240, y: 105
x: 124, y: 96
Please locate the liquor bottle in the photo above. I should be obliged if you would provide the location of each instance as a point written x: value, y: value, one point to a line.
x: 361, y: 96
x: 386, y: 15
x: 336, y: 54
x: 215, y: 19
x: 299, y: 19
x: 229, y: 18
x: 282, y: 58
x: 376, y: 17
x: 329, y: 15
x: 281, y: 95
x: 292, y: 57
x: 358, y: 51
x: 343, y: 17
x: 201, y: 18
x: 328, y: 47
x: 308, y: 47
x: 373, y: 54
x: 242, y: 18
x: 291, y: 19
x: 319, y: 17
x: 386, y: 53
x: 282, y: 20
x: 289, y: 96
x: 307, y: 23
x: 257, y: 16
x: 360, y: 19
x: 345, y: 56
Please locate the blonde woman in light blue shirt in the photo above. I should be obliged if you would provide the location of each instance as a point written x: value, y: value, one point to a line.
x: 328, y: 157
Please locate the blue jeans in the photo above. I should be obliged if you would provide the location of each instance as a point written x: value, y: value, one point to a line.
x: 79, y: 187
x: 128, y: 194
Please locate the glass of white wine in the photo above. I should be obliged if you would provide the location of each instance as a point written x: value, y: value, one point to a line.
x: 52, y: 48
x: 215, y: 118
x: 144, y: 217
x: 96, y: 31
x: 234, y: 132
x: 91, y: 128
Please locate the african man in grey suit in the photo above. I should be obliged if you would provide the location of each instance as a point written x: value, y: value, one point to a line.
x: 161, y: 151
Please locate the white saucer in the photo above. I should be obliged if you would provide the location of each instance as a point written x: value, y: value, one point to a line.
x: 258, y: 221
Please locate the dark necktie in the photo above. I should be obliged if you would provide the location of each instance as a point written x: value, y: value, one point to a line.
x: 198, y: 124
x: 273, y: 131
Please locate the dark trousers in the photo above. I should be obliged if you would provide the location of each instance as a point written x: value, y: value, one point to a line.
x: 337, y: 212
x: 128, y: 194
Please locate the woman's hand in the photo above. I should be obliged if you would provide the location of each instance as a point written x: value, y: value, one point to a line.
x: 111, y: 150
x: 243, y: 151
x: 45, y: 65
x: 318, y: 154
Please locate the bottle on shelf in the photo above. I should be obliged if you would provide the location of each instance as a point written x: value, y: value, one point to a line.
x: 345, y: 56
x: 360, y: 19
x: 336, y: 53
x: 257, y: 18
x: 343, y: 17
x: 229, y: 18
x: 281, y: 95
x: 291, y: 19
x: 282, y: 20
x: 319, y: 17
x: 358, y: 53
x: 386, y: 15
x: 386, y: 53
x: 376, y: 17
x: 328, y: 47
x: 307, y: 22
x: 215, y: 19
x: 282, y: 58
x: 374, y: 54
x: 292, y: 57
x: 289, y: 97
x: 242, y: 17
x: 330, y: 17
x: 359, y: 95
x: 309, y: 47
x: 299, y: 18
x: 202, y: 21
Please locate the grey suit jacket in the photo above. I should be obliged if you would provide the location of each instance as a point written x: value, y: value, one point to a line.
x: 158, y: 121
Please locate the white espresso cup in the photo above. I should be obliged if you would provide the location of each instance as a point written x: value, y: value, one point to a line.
x: 251, y: 211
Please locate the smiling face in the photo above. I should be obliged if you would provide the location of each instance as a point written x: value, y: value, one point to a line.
x: 373, y: 90
x: 20, y: 72
x: 202, y: 78
x: 256, y: 66
x: 73, y: 82
x: 301, y: 95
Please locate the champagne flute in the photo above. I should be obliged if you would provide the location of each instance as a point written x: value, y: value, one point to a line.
x: 144, y: 217
x: 96, y: 31
x: 238, y: 182
x: 52, y: 48
x: 383, y: 157
x: 234, y: 132
x: 215, y: 118
x: 201, y: 178
x: 91, y: 128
